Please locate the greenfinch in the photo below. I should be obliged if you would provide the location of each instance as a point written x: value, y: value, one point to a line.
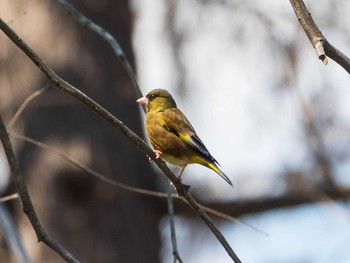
x: 172, y: 135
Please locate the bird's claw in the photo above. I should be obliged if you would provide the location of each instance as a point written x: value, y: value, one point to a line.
x: 157, y: 153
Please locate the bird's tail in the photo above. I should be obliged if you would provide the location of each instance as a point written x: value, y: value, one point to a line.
x: 216, y: 169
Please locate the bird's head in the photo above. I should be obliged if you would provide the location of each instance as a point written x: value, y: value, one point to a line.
x: 158, y: 99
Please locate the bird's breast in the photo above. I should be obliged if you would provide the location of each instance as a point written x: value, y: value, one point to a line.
x: 174, y: 150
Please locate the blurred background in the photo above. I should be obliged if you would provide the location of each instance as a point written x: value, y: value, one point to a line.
x: 244, y: 73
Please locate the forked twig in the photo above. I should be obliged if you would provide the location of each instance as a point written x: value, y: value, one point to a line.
x: 321, y: 45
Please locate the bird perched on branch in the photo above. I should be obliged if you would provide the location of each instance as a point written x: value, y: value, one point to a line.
x: 172, y: 135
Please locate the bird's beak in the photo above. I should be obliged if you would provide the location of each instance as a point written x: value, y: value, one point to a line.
x: 142, y: 100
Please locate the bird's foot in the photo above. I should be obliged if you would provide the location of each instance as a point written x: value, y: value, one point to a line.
x: 157, y: 153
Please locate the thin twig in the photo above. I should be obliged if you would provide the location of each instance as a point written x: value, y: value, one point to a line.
x: 233, y: 219
x: 319, y: 42
x: 118, y: 51
x: 183, y: 190
x: 122, y: 185
x: 200, y: 212
x: 171, y: 213
x: 9, y: 197
x: 87, y: 169
x: 24, y: 105
x: 337, y: 56
x: 27, y: 204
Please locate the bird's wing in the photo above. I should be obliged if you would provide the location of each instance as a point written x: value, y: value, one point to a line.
x: 175, y: 121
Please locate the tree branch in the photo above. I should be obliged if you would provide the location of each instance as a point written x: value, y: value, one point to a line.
x: 182, y: 190
x: 27, y: 204
x: 319, y: 42
x: 118, y: 51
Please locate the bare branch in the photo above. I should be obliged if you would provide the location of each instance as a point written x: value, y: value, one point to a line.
x: 118, y: 51
x: 28, y: 207
x: 337, y: 56
x: 89, y: 170
x: 233, y: 219
x: 319, y: 42
x: 171, y: 213
x: 313, y: 33
x: 183, y: 190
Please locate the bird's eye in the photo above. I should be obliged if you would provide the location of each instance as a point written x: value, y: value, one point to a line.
x: 152, y: 96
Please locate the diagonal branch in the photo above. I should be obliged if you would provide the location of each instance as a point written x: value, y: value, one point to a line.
x: 323, y: 48
x: 27, y: 204
x: 183, y: 190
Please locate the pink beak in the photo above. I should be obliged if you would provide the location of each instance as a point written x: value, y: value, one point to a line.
x: 142, y: 100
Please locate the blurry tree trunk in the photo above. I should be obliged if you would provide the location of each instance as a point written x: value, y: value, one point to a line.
x: 95, y: 221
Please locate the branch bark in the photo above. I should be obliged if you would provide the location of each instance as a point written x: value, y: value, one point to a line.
x: 323, y: 48
x: 182, y: 190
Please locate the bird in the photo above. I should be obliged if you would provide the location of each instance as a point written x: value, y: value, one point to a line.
x: 172, y: 136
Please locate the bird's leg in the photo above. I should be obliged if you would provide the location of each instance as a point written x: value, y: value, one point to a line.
x: 157, y: 153
x: 182, y: 170
x: 179, y: 177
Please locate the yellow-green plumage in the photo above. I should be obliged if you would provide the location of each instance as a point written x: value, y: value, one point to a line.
x: 171, y: 134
